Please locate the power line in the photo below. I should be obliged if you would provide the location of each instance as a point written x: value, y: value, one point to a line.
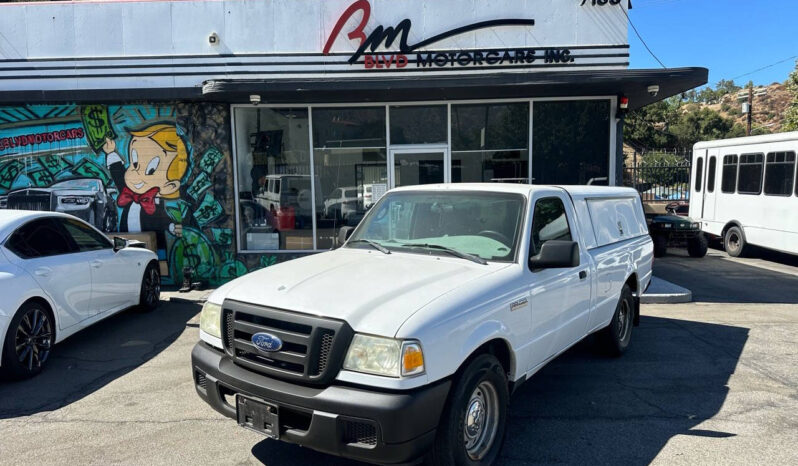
x: 641, y: 37
x: 764, y: 67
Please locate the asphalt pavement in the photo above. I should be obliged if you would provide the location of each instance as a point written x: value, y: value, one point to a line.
x: 707, y: 382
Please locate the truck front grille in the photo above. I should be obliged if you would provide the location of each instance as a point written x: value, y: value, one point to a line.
x: 312, y: 349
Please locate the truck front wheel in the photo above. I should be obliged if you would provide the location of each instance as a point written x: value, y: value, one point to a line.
x: 472, y: 426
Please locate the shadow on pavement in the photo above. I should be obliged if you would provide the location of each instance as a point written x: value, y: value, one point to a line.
x: 93, y: 357
x: 585, y: 408
x: 716, y: 279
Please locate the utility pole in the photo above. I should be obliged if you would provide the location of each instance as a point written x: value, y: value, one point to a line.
x: 750, y: 109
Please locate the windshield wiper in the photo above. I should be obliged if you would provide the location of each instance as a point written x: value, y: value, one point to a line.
x: 373, y: 244
x: 454, y: 252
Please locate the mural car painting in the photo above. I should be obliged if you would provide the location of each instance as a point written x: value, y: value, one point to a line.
x: 88, y: 199
x: 131, y: 168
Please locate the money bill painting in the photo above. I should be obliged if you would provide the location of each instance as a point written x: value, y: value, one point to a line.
x: 136, y: 169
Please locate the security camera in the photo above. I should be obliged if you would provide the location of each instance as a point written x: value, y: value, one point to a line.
x: 213, y: 39
x: 254, y: 99
x: 653, y: 90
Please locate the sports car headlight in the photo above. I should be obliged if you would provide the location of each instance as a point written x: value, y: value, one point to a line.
x: 384, y: 356
x: 211, y: 319
x: 75, y: 200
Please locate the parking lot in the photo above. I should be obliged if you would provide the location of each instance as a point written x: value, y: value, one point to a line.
x: 712, y: 381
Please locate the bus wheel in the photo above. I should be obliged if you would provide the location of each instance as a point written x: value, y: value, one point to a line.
x: 734, y: 242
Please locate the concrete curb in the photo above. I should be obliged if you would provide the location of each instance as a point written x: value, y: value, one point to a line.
x: 664, y: 292
x: 192, y: 297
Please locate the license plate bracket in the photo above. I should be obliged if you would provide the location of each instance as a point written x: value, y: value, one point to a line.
x: 258, y: 415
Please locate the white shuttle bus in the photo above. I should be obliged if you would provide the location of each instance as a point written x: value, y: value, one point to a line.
x: 744, y: 191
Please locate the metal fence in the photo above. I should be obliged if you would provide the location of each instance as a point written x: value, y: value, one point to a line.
x: 659, y: 181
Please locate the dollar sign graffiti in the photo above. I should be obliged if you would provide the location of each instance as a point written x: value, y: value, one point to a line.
x: 96, y: 120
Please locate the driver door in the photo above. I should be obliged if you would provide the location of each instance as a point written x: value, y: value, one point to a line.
x: 115, y: 281
x: 559, y: 297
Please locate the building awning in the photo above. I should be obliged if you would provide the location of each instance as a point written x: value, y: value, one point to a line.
x: 633, y: 84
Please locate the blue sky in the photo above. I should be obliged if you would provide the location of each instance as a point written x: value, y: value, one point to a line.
x: 730, y: 37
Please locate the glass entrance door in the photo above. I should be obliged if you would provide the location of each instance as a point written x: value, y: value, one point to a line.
x: 419, y: 165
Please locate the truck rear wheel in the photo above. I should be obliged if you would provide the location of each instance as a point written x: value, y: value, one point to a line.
x: 615, y: 337
x: 697, y: 247
x: 472, y: 426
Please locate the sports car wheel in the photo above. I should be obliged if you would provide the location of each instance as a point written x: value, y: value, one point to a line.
x: 150, y: 296
x: 28, y: 342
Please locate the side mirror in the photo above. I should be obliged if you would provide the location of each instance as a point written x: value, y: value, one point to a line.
x: 119, y: 243
x: 343, y: 234
x: 556, y: 255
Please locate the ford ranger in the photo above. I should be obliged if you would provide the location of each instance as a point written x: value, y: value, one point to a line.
x: 406, y: 342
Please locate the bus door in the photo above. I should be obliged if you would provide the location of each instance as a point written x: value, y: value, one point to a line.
x: 711, y: 184
x: 697, y: 185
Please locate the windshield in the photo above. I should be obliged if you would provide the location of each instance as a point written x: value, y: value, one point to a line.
x: 483, y: 224
x: 88, y: 185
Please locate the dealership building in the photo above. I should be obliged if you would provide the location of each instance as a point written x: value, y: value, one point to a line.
x: 247, y: 132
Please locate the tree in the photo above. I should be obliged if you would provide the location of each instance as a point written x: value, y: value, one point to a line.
x: 791, y: 115
x: 703, y: 124
x: 648, y: 126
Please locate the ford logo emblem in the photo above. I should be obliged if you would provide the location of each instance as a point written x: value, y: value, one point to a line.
x: 267, y: 342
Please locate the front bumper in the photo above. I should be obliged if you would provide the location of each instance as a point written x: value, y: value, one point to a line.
x: 368, y: 425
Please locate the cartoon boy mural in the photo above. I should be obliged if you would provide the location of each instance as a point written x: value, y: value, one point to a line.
x: 158, y: 160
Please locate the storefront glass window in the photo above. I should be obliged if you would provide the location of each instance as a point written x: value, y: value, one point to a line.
x: 274, y: 189
x: 571, y: 142
x: 490, y: 142
x: 350, y: 165
x: 418, y: 124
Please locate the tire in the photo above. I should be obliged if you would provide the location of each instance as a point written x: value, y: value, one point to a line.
x: 660, y: 245
x: 150, y: 294
x: 615, y: 338
x: 28, y: 342
x: 697, y: 247
x: 734, y: 242
x: 473, y: 422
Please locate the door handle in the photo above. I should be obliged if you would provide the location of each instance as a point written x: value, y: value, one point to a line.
x: 96, y: 264
x: 43, y: 272
x: 582, y: 274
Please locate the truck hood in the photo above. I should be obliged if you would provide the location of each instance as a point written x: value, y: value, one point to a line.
x: 373, y: 292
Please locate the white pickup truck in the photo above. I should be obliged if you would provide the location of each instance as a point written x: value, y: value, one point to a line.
x: 407, y: 341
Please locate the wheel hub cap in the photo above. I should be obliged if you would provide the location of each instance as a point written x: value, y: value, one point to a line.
x: 481, y: 423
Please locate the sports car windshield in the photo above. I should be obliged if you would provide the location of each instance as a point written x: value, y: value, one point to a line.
x: 481, y: 224
x: 87, y: 185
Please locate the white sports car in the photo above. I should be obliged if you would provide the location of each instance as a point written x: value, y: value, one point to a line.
x: 58, y: 275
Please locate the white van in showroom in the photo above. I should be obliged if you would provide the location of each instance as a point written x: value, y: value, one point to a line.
x: 407, y: 341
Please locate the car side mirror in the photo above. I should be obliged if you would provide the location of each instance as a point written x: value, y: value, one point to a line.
x: 119, y: 243
x: 343, y: 234
x: 556, y: 255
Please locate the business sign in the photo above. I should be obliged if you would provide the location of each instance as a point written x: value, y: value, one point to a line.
x: 38, y: 139
x: 57, y: 46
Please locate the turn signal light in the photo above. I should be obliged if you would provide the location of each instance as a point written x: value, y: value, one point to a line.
x: 412, y: 359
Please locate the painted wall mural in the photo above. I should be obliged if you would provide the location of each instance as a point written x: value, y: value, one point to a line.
x: 162, y: 168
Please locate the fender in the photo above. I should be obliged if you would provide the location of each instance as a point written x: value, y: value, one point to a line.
x: 485, y: 332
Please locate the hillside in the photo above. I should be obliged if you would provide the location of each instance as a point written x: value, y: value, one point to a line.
x: 769, y: 109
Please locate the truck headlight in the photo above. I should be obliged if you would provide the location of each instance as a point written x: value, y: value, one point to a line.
x: 78, y: 200
x: 384, y: 356
x: 211, y: 319
x: 696, y: 225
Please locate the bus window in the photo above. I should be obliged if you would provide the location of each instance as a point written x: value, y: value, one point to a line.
x: 699, y: 168
x: 729, y: 176
x: 711, y: 175
x: 779, y: 173
x: 749, y: 180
